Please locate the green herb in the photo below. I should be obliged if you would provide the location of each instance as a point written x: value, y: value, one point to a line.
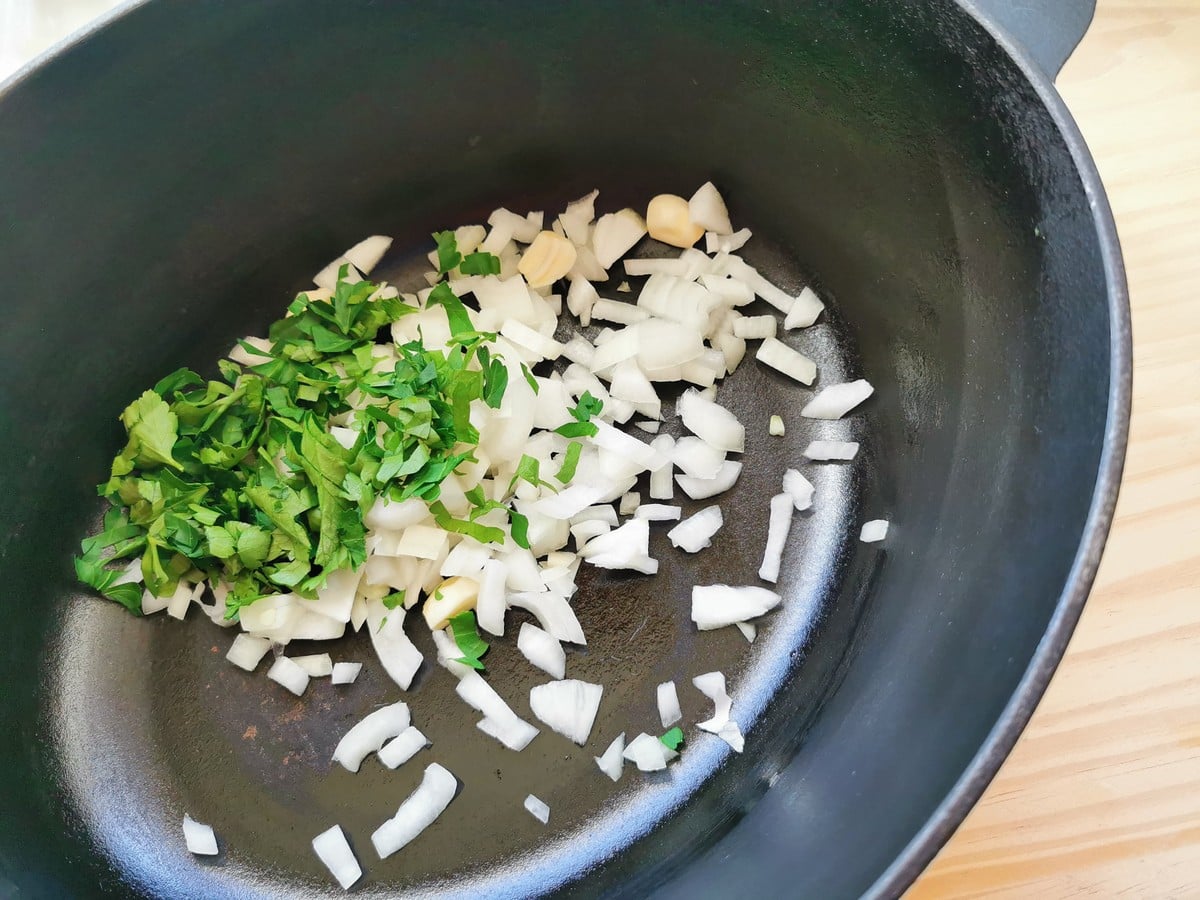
x: 447, y: 251
x: 570, y: 462
x: 577, y: 429
x: 673, y: 739
x: 480, y: 263
x: 529, y: 379
x: 587, y: 407
x: 393, y: 601
x: 466, y: 636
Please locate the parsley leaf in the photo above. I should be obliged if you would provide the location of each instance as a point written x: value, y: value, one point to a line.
x: 529, y: 379
x: 448, y: 255
x: 673, y: 739
x: 466, y: 636
x: 480, y: 263
x: 570, y: 462
x: 394, y: 601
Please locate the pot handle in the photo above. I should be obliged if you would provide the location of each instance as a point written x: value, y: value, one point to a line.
x: 1048, y: 30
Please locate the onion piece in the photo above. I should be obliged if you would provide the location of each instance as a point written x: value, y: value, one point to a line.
x: 644, y: 455
x: 345, y: 672
x: 200, y: 838
x: 615, y: 234
x: 618, y: 311
x: 874, y: 531
x: 627, y: 547
x: 658, y: 512
x: 695, y: 533
x: 366, y: 254
x: 668, y: 704
x: 611, y: 761
x: 707, y: 209
x: 534, y: 341
x: 753, y: 328
x: 805, y: 310
x: 499, y: 721
x: 662, y: 485
x: 696, y: 458
x: 776, y: 427
x: 777, y: 532
x: 246, y: 652
x: 782, y: 358
x: 748, y: 630
x: 831, y: 450
x: 717, y: 243
x: 703, y: 488
x: 403, y: 747
x: 370, y: 733
x: 334, y: 851
x: 718, y: 605
x: 581, y: 297
x: 418, y: 812
x: 647, y: 752
x: 541, y: 649
x: 569, y: 707
x: 537, y: 809
x: 317, y: 665
x: 490, y: 605
x: 713, y: 423
x: 836, y: 400
x: 553, y: 613
x: 400, y: 657
x: 712, y: 686
x: 798, y: 488
x: 393, y: 516
x: 421, y: 542
x: 284, y: 671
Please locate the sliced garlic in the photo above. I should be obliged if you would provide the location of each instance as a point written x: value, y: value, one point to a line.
x: 669, y: 220
x: 453, y: 596
x: 549, y: 258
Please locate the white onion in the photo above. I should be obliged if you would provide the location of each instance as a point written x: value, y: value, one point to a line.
x: 627, y: 547
x: 520, y: 227
x: 199, y: 837
x: 776, y: 427
x: 403, y: 747
x: 581, y: 297
x: 874, y: 531
x: 703, y: 488
x: 448, y: 654
x: 711, y: 422
x: 658, y: 512
x: 418, y: 812
x: 317, y: 665
x: 367, y: 253
x: 490, y: 605
x: 748, y: 630
x: 538, y: 344
x: 732, y: 735
x: 798, y: 488
x: 177, y: 605
x: 696, y: 458
x: 804, y: 311
x: 647, y: 752
x: 152, y: 604
x: 716, y: 243
x: 334, y: 851
x: 777, y: 532
x: 571, y: 500
x: 644, y: 455
x: 335, y: 598
x: 422, y: 542
x: 611, y: 761
x: 246, y: 652
x: 668, y: 704
x: 651, y: 427
x: 752, y: 328
x: 537, y: 809
x: 541, y: 649
x: 836, y: 400
x: 568, y: 707
x: 394, y: 516
x: 578, y: 217
x: 370, y: 733
x: 290, y: 675
x: 662, y: 485
x: 782, y: 358
x: 629, y: 503
x: 827, y: 450
x: 707, y: 209
x: 239, y: 354
x: 499, y: 720
x: 345, y: 672
x: 553, y: 613
x: 695, y: 533
x: 718, y: 605
x: 615, y: 234
x: 400, y: 657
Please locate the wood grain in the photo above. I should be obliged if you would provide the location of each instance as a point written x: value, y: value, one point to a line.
x: 1101, y: 797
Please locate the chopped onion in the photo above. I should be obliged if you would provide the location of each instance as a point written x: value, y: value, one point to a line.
x: 836, y: 400
x: 695, y: 533
x: 707, y: 209
x: 716, y: 243
x: 393, y: 516
x: 421, y: 542
x: 752, y: 328
x: 732, y: 735
x: 400, y: 657
x: 668, y: 704
x: 335, y: 598
x: 499, y: 721
x: 520, y: 227
x: 711, y: 422
x: 581, y: 297
x: 627, y: 547
x: 805, y: 310
x: 629, y: 503
x: 658, y: 512
x: 775, y: 427
x: 611, y: 761
x: 199, y: 837
x: 644, y: 455
x: 553, y: 613
x: 651, y: 427
x: 177, y: 606
x: 291, y: 676
x: 541, y: 649
x: 798, y: 488
x: 416, y: 813
x: 831, y: 450
x: 403, y: 747
x: 748, y: 630
x: 568, y: 707
x: 874, y: 531
x: 718, y: 605
x: 712, y: 686
x: 537, y: 343
x: 370, y: 733
x: 783, y: 358
x: 662, y: 486
x: 537, y: 809
x: 317, y: 665
x: 696, y: 458
x: 490, y: 604
x: 345, y: 672
x: 615, y: 234
x: 777, y: 532
x: 703, y: 488
x: 246, y: 652
x: 647, y: 752
x: 334, y: 851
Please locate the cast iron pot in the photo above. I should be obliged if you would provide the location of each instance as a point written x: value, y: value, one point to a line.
x: 169, y: 180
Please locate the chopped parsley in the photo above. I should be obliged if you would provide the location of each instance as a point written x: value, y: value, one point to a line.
x: 466, y: 636
x: 673, y: 739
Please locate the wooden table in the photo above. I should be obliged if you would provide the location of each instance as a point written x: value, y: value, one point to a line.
x: 1101, y: 797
